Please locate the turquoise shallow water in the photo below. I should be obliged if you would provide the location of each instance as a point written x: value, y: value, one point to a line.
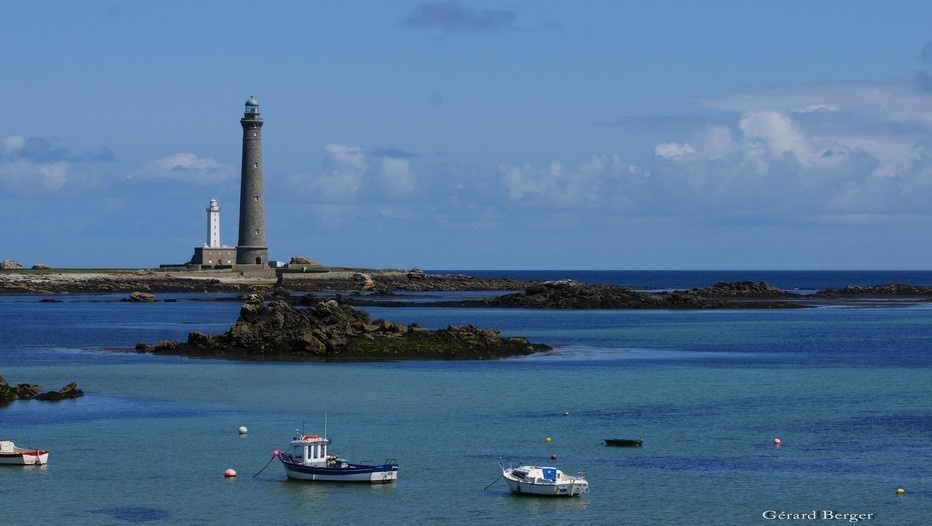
x: 848, y: 392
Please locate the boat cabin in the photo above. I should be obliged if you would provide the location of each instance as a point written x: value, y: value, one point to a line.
x: 310, y: 449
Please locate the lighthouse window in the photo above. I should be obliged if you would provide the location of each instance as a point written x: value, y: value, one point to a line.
x: 254, y: 134
x: 256, y: 198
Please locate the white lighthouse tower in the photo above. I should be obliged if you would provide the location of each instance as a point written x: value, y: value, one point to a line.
x: 213, y: 224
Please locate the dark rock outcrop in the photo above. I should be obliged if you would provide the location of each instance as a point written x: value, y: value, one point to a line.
x: 141, y: 297
x: 885, y: 290
x: 69, y: 391
x: 9, y: 393
x: 743, y: 289
x: 570, y: 294
x: 329, y: 331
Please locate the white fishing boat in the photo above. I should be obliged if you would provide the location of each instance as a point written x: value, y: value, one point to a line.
x: 308, y: 459
x: 12, y: 455
x: 546, y: 481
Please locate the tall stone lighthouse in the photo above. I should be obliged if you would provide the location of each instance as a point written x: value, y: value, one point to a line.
x: 251, y: 248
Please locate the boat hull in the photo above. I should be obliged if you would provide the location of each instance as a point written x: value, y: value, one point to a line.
x: 558, y: 486
x: 25, y: 458
x: 376, y: 474
x: 566, y: 489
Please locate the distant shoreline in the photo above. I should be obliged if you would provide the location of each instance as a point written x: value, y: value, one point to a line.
x: 378, y: 287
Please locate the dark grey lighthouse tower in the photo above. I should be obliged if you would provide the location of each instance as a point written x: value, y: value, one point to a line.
x: 251, y: 248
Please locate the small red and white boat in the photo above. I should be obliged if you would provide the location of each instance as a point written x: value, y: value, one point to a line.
x: 12, y: 455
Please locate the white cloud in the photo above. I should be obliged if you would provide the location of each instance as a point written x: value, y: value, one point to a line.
x: 842, y: 153
x: 344, y: 181
x: 397, y: 177
x: 13, y: 143
x: 815, y: 107
x: 26, y: 178
x: 21, y: 176
x: 777, y: 132
x: 186, y: 167
x: 589, y: 184
x: 670, y: 149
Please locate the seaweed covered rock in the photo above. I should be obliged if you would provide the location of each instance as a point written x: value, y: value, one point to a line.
x: 325, y: 330
x: 570, y: 294
x: 745, y: 289
x: 9, y: 393
x: 885, y: 290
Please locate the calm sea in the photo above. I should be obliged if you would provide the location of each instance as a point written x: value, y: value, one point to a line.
x: 848, y: 391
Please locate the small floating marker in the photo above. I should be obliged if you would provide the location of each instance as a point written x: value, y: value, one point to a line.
x: 229, y: 473
x: 243, y: 430
x: 900, y: 491
x: 276, y: 453
x: 566, y: 413
x: 553, y: 457
x: 547, y: 440
x: 777, y: 442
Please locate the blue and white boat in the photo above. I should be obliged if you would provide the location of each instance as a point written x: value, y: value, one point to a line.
x: 308, y: 459
x: 545, y: 481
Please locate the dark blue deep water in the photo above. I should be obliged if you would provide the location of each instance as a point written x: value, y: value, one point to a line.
x: 847, y: 390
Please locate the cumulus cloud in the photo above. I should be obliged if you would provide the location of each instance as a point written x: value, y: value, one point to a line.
x: 452, y: 16
x: 837, y: 153
x: 777, y: 132
x: 669, y: 149
x: 592, y: 183
x: 31, y: 167
x: 347, y: 176
x: 185, y: 167
x: 397, y: 178
x: 26, y: 178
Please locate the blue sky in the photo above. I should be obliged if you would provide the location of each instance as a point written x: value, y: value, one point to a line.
x: 473, y: 134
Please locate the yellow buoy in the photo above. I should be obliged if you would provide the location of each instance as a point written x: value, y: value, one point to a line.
x: 547, y: 440
x: 900, y: 491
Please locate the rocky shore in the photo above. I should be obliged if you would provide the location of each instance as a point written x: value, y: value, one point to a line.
x: 48, y: 281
